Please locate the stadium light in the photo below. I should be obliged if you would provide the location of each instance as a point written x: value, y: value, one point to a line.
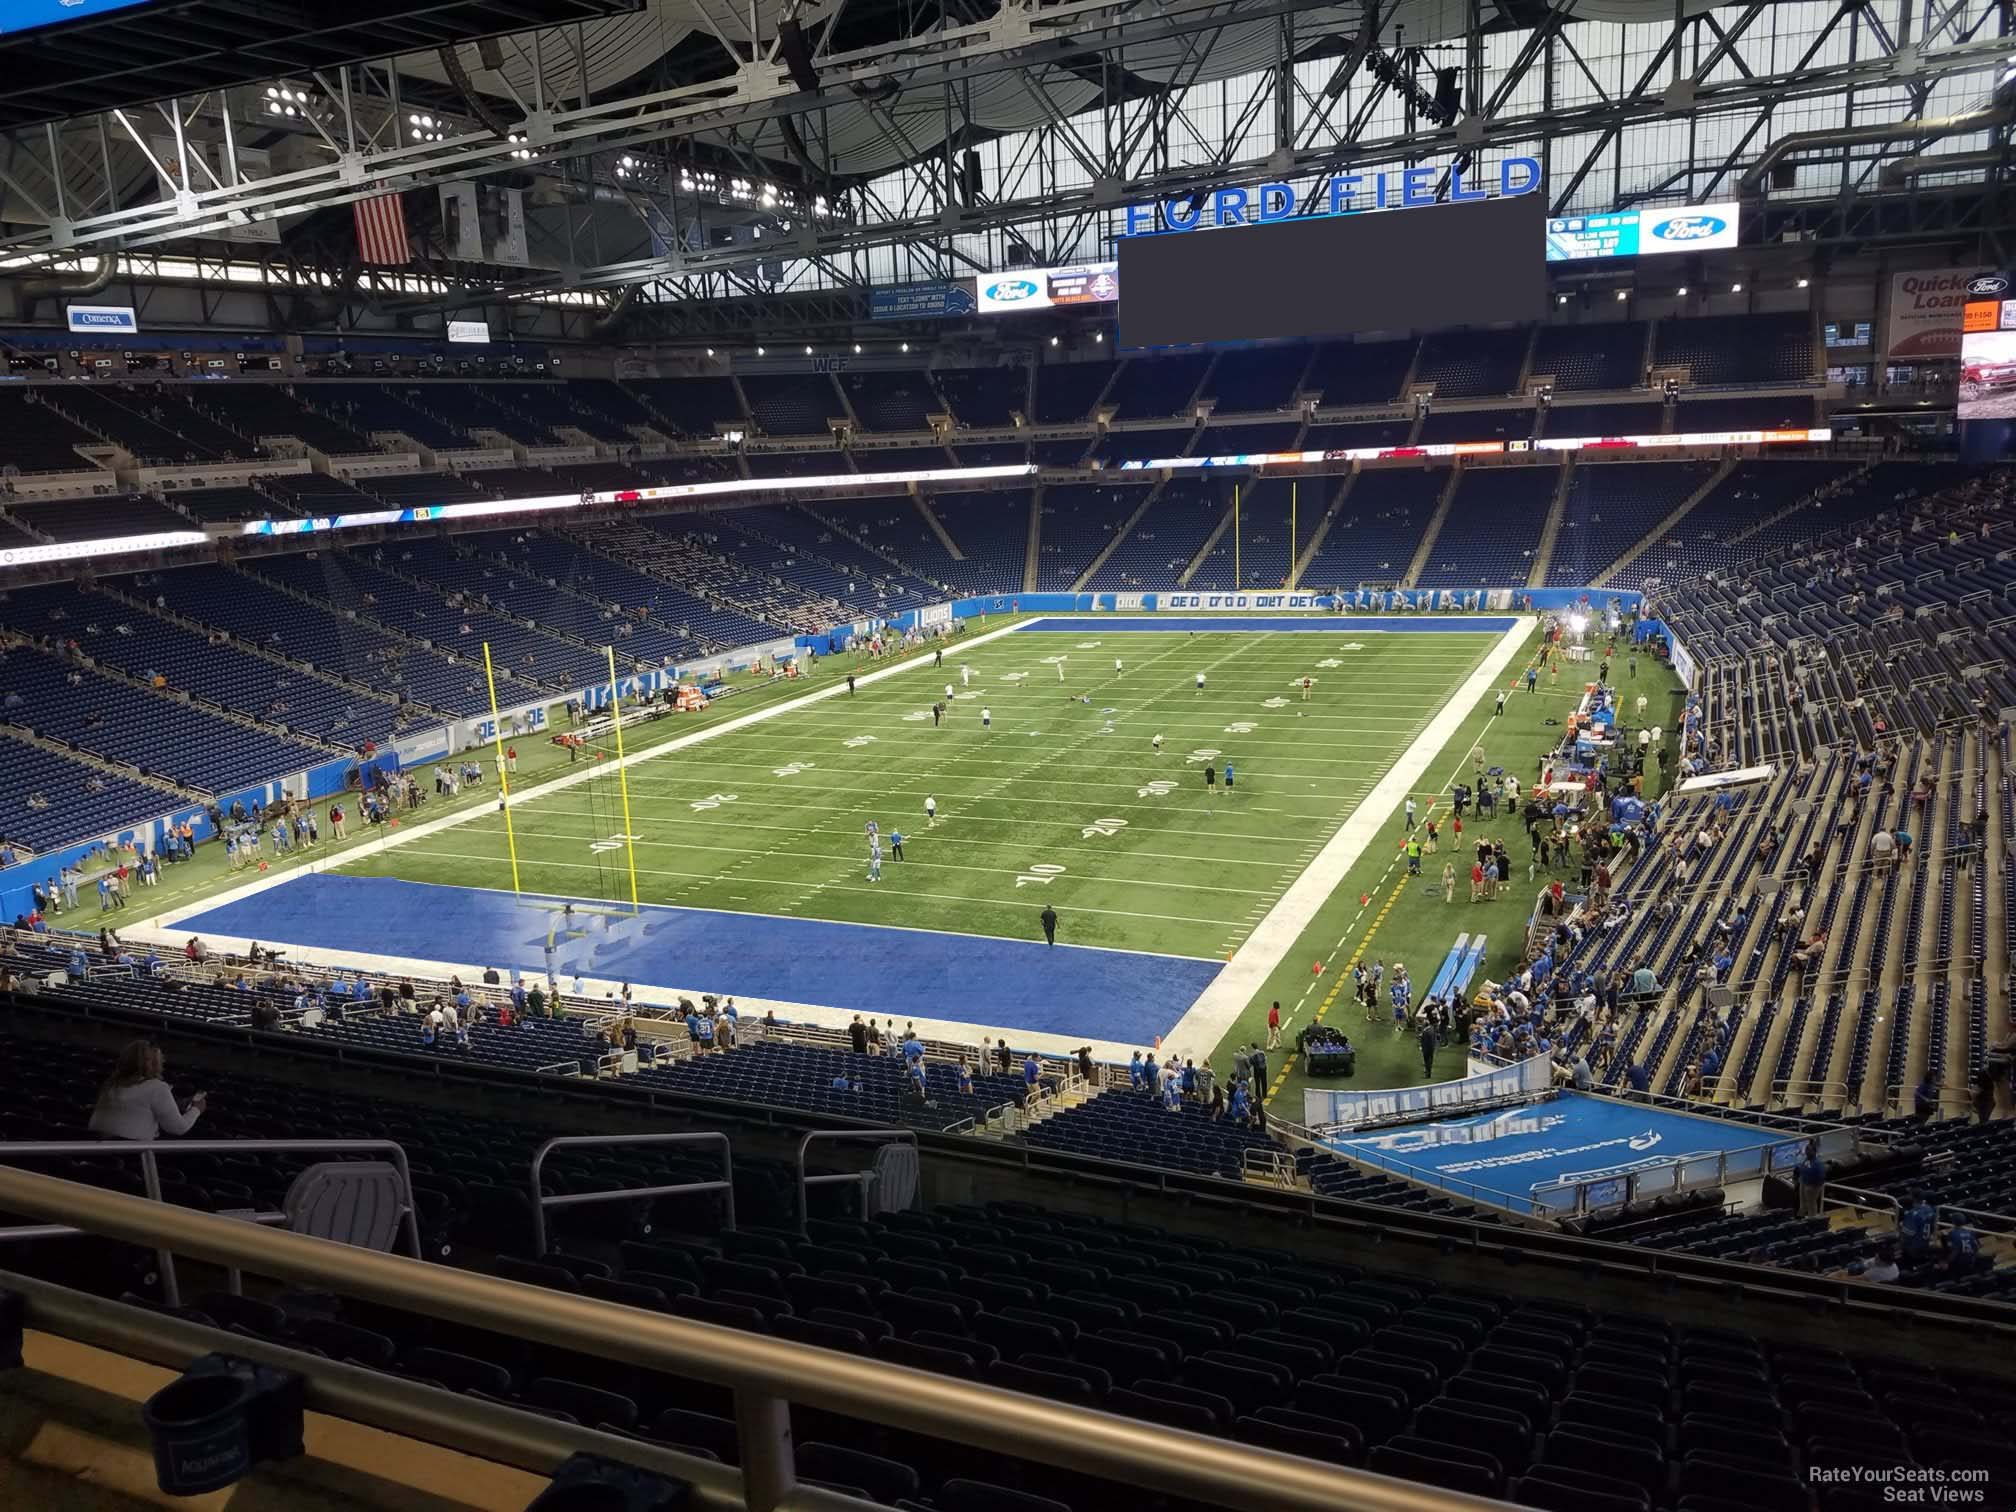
x: 1099, y: 338
x: 1803, y: 282
x: 1735, y: 288
x: 1053, y: 341
x: 808, y: 351
x: 857, y: 349
x: 759, y: 351
x: 1681, y: 290
x: 710, y: 351
x: 1578, y: 623
x: 1622, y: 295
x: 906, y: 346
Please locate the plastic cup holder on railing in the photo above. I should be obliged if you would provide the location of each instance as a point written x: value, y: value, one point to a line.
x: 220, y: 1419
x: 589, y: 1484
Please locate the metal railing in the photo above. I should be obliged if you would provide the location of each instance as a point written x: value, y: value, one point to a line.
x: 147, y: 1151
x: 863, y: 1179
x: 766, y: 1374
x: 541, y: 1202
x: 1803, y: 1092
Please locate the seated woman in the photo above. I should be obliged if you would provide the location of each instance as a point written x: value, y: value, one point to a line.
x: 135, y: 1103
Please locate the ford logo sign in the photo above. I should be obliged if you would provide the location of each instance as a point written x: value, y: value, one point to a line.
x: 1987, y: 286
x: 1691, y: 228
x: 1012, y: 290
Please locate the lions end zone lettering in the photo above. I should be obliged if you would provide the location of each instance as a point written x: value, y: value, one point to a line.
x: 1194, y: 601
x: 1343, y: 194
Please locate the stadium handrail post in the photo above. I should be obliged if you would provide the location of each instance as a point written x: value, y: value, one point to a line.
x: 623, y: 779
x: 503, y: 768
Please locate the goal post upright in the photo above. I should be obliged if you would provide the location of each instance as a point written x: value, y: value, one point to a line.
x: 503, y: 769
x: 623, y: 780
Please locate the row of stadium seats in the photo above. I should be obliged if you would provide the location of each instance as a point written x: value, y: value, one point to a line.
x: 1553, y: 1404
x: 329, y: 645
x: 184, y: 423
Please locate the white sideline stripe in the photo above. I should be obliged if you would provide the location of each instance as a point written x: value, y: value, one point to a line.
x: 410, y: 833
x: 1219, y: 1006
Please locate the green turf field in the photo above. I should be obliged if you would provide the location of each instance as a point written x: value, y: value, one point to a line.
x: 1061, y: 800
x: 1181, y: 876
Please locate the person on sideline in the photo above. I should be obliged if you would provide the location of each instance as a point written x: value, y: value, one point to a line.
x: 135, y: 1103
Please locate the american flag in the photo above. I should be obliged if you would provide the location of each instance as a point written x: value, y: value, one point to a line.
x: 381, y: 230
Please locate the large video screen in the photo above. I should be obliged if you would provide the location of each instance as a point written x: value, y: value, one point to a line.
x: 1478, y: 263
x: 1988, y: 375
x: 1644, y: 233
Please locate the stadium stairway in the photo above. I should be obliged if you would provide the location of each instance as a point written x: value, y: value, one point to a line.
x: 1425, y: 552
x: 829, y: 521
x: 1664, y: 530
x: 1126, y: 527
x: 1326, y: 517
x: 728, y: 608
x: 1550, y: 532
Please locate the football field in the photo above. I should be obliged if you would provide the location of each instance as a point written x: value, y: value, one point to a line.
x: 751, y: 857
x: 1063, y: 799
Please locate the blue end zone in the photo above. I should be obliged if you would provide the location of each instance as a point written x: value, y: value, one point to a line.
x: 1080, y: 993
x: 1572, y: 1136
x: 1468, y: 624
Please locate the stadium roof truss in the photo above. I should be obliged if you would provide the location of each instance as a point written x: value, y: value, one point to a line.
x: 961, y: 140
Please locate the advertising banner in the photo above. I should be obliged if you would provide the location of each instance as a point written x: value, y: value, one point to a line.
x: 1047, y: 288
x: 102, y: 320
x: 1924, y: 315
x: 920, y: 301
x: 1191, y: 603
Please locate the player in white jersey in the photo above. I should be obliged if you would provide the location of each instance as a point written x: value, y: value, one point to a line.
x: 986, y: 719
x: 1060, y: 669
x: 948, y: 692
x: 874, y: 857
x: 1200, y: 682
x: 965, y: 675
x: 1157, y: 743
x: 930, y: 809
x: 1117, y: 672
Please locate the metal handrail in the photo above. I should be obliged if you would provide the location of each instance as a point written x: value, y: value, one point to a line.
x: 146, y: 1150
x: 541, y: 1202
x: 860, y: 1178
x: 493, y: 1431
x: 765, y: 1373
